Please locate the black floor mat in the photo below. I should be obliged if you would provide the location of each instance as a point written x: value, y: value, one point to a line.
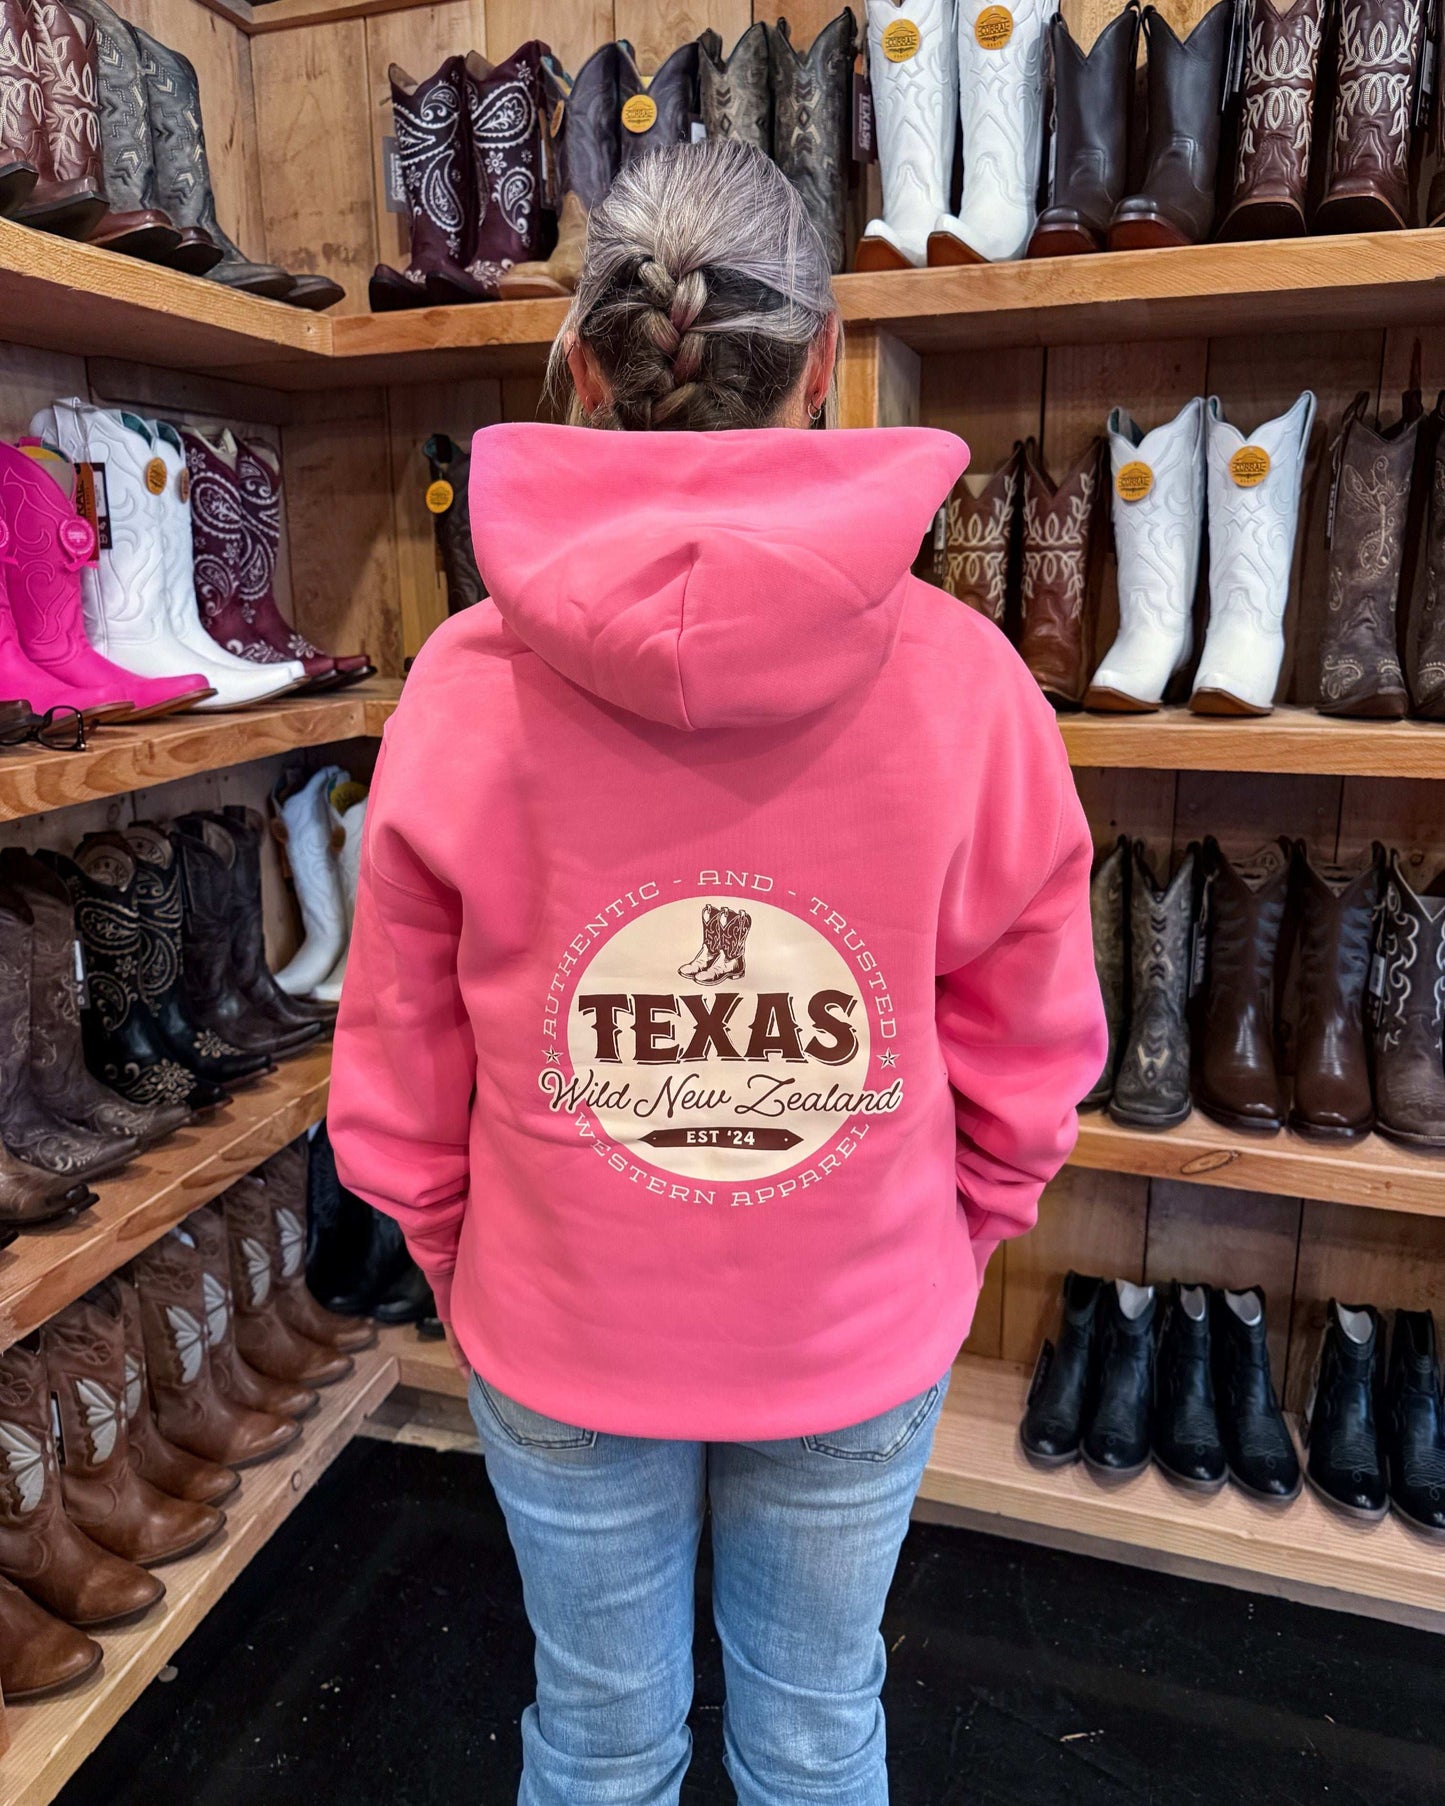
x: 376, y: 1652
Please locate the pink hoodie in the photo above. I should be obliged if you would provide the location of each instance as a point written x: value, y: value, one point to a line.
x: 721, y: 984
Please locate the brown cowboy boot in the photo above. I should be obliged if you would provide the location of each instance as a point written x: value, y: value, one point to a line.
x: 69, y: 197
x: 979, y: 526
x: 1427, y: 673
x: 84, y: 1348
x: 285, y: 1176
x: 1057, y: 574
x: 22, y: 109
x: 235, y: 1376
x: 1409, y: 1013
x: 172, y: 1470
x: 1272, y: 157
x: 1332, y: 1096
x: 1369, y: 181
x: 1239, y: 1082
x: 41, y: 1550
x: 263, y: 1335
x: 38, y: 1654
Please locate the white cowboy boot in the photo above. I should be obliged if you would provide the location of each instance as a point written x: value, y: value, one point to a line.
x: 1158, y: 525
x: 731, y: 962
x: 1254, y: 495
x: 304, y: 827
x: 347, y: 803
x: 913, y: 69
x: 713, y: 919
x: 1001, y: 115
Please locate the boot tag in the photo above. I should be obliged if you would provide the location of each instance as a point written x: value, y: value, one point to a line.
x: 865, y: 142
x: 901, y: 39
x: 155, y: 476
x: 77, y: 542
x: 639, y: 113
x: 183, y: 485
x: 439, y: 496
x: 1199, y: 952
x: 1134, y: 481
x: 993, y: 28
x: 82, y: 976
x: 1249, y: 467
x: 392, y: 179
x: 93, y: 504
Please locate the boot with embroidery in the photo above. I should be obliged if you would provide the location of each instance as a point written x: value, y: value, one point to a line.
x: 1408, y: 1018
x: 236, y: 1377
x: 731, y: 965
x: 286, y: 1174
x: 172, y: 1470
x: 246, y: 830
x: 433, y: 150
x: 1109, y: 916
x: 68, y: 198
x: 1276, y: 123
x: 502, y: 148
x: 913, y: 68
x: 980, y: 527
x: 264, y: 1336
x: 1151, y: 1087
x: 1427, y: 667
x: 22, y: 109
x: 736, y: 91
x: 812, y: 119
x: 1369, y: 178
x: 1058, y: 574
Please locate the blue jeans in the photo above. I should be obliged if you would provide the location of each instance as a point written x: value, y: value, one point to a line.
x: 805, y: 1537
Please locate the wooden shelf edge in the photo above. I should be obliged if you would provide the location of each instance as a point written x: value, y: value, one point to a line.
x: 1291, y: 740
x: 50, y: 1739
x: 424, y: 1366
x: 46, y: 1269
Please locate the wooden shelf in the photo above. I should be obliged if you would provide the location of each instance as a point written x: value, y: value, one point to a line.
x: 45, y: 1269
x: 1303, y: 1550
x: 50, y: 1739
x: 423, y: 1365
x: 120, y: 758
x: 1374, y: 1173
x: 1289, y: 740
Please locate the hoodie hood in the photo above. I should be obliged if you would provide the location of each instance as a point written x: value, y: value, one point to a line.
x: 707, y: 580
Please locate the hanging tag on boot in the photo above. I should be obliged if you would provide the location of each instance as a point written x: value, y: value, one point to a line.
x: 92, y: 504
x: 865, y: 143
x: 393, y: 183
x: 1199, y: 952
x: 82, y: 975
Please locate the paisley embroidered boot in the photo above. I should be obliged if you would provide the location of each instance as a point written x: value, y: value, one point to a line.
x: 504, y: 140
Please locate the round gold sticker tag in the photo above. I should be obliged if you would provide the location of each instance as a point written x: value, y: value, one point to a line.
x: 993, y: 27
x: 900, y: 40
x: 156, y: 476
x: 438, y: 496
x: 1249, y: 467
x: 1134, y: 482
x: 639, y: 114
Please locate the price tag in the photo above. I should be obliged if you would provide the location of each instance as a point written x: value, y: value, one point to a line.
x: 1134, y: 482
x: 439, y: 496
x: 993, y: 28
x: 901, y: 39
x: 639, y: 113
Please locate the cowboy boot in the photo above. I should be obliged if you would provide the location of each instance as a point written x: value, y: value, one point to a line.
x: 246, y: 829
x: 1116, y: 1438
x: 304, y: 826
x: 812, y: 113
x: 157, y: 896
x: 182, y: 178
x: 736, y: 91
x: 190, y: 1408
x: 68, y: 198
x: 134, y: 220
x: 30, y: 1131
x: 502, y: 182
x: 40, y: 687
x: 123, y: 1046
x: 1427, y: 680
x: 258, y: 477
x: 1254, y: 494
x: 1093, y: 96
x: 348, y: 814
x: 671, y: 101
x: 1109, y: 918
x: 22, y: 109
x: 241, y: 1383
x: 1151, y: 1087
x: 713, y: 917
x: 1413, y: 1426
x: 587, y: 145
x: 1057, y: 574
x: 1001, y: 110
x: 1187, y: 1442
x: 38, y: 1654
x: 49, y: 546
x: 57, y: 1060
x: 263, y: 1335
x: 1369, y: 179
x: 913, y: 68
x: 1360, y: 672
x: 1175, y: 203
x: 168, y: 1468
x: 1257, y: 1443
x: 207, y: 856
x: 41, y: 1550
x: 446, y: 500
x: 1276, y: 126
x: 1345, y: 1463
x: 731, y: 962
x: 1238, y: 1082
x: 285, y: 1174
x: 29, y: 1197
x: 1158, y: 506
x: 1408, y: 986
x: 979, y: 525
x: 84, y: 1350
x: 1053, y: 1421
x: 1332, y: 1096
x: 429, y: 122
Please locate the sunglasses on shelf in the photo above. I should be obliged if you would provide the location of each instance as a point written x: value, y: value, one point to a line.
x: 61, y: 729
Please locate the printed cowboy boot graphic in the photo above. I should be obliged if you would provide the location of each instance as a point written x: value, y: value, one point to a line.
x: 730, y: 962
x: 713, y: 920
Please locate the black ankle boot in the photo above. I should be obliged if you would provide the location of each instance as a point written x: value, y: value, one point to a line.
x: 1346, y: 1465
x: 408, y: 1299
x: 1054, y: 1417
x: 1116, y: 1441
x: 1187, y: 1443
x: 1414, y: 1425
x: 1257, y: 1443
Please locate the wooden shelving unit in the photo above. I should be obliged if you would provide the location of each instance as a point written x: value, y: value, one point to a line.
x: 45, y: 1269
x: 119, y: 758
x: 50, y: 1739
x: 1289, y: 740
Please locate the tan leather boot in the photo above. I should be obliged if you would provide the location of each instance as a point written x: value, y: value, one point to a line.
x: 237, y: 1378
x: 172, y: 1470
x: 38, y: 1654
x: 285, y: 1176
x: 263, y: 1335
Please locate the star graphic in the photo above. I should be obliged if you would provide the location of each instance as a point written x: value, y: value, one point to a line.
x: 889, y: 1059
x: 553, y: 1057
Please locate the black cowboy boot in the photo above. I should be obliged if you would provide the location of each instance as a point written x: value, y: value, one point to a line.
x: 1109, y: 915
x: 1093, y: 97
x: 1187, y: 1442
x: 1414, y: 1424
x: 254, y: 978
x: 812, y: 123
x: 1120, y: 1412
x: 658, y: 111
x: 736, y: 91
x: 1257, y: 1442
x: 183, y: 182
x: 452, y: 466
x: 1053, y: 1422
x: 1346, y: 1464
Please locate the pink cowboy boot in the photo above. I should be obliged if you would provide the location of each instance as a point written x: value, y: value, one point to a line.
x: 49, y: 543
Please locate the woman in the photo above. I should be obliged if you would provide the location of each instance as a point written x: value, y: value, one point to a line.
x: 719, y: 995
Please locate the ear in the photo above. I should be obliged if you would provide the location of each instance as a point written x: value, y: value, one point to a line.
x: 821, y: 359
x: 591, y: 386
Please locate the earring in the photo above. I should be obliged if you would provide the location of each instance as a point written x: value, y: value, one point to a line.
x: 815, y: 412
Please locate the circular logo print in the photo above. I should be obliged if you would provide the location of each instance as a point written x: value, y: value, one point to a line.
x: 718, y: 1037
x: 77, y: 539
x: 993, y: 28
x: 1249, y: 466
x: 439, y: 496
x: 900, y: 40
x: 639, y: 114
x: 1134, y: 482
x: 155, y: 476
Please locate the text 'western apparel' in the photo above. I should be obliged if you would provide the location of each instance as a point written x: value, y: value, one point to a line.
x: 720, y: 988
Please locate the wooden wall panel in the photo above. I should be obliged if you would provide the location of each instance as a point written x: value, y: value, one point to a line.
x: 316, y: 172
x: 573, y: 28
x: 992, y: 399
x: 1092, y: 1222
x: 33, y: 379
x: 656, y: 27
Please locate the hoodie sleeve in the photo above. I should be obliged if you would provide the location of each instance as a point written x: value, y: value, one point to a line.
x: 404, y: 1065
x: 1020, y: 1019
